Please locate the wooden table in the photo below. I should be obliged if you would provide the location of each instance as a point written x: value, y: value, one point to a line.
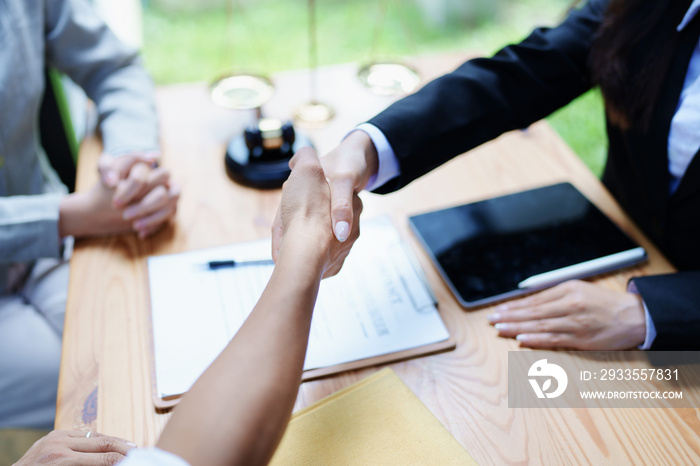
x: 105, y: 381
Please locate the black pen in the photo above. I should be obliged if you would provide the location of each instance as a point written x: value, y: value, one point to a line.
x: 213, y: 265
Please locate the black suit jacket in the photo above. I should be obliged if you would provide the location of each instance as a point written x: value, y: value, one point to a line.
x: 525, y: 82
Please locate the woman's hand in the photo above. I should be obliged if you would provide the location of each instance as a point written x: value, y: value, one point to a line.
x: 304, y: 216
x: 73, y: 448
x: 574, y: 314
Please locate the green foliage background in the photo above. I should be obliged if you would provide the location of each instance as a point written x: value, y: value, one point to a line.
x: 266, y: 36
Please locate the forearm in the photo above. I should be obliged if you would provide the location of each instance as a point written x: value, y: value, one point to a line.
x: 238, y: 410
x: 79, y: 44
x: 128, y: 119
x: 486, y: 97
x: 73, y: 220
x: 90, y: 213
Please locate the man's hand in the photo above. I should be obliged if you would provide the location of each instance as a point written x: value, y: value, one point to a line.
x: 347, y: 169
x: 62, y: 447
x: 574, y: 314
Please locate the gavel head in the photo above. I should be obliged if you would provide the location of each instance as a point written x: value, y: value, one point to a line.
x: 270, y: 139
x: 260, y: 157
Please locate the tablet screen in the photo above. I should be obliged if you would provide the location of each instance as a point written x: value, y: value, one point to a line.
x: 485, y: 249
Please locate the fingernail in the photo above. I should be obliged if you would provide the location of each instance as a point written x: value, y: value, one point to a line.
x: 494, y: 317
x: 523, y: 337
x: 501, y: 307
x: 138, y: 225
x: 110, y: 179
x: 129, y: 213
x: 342, y: 230
x: 131, y: 444
x: 501, y: 326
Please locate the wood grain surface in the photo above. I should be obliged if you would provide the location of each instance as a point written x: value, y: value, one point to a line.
x: 105, y: 382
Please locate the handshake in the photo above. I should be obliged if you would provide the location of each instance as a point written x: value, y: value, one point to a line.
x: 133, y: 195
x: 323, y: 196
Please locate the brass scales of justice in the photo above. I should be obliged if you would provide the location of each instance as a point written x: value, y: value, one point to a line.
x: 260, y: 156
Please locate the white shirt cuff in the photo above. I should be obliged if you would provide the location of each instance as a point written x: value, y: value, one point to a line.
x: 388, y: 166
x: 152, y: 457
x: 651, y: 329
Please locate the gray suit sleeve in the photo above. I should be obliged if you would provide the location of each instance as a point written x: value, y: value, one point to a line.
x: 29, y: 227
x: 79, y: 44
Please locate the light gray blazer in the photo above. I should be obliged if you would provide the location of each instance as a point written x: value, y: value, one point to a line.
x: 68, y: 35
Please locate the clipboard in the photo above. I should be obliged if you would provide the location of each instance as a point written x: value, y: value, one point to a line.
x: 399, y: 257
x: 511, y: 245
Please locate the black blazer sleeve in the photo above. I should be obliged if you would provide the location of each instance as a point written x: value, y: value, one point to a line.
x: 673, y: 304
x: 486, y: 97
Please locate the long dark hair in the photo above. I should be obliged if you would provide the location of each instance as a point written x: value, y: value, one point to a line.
x: 617, y: 50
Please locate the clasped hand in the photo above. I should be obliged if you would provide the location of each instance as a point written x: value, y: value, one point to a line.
x: 133, y: 195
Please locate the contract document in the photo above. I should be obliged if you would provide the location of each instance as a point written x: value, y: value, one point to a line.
x: 377, y: 309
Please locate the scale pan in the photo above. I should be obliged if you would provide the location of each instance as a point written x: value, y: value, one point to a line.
x: 386, y: 78
x: 241, y: 91
x: 313, y: 114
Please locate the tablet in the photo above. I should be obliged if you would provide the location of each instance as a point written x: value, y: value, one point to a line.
x: 511, y: 245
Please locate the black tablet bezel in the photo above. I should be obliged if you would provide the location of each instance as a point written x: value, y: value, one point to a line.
x: 514, y: 292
